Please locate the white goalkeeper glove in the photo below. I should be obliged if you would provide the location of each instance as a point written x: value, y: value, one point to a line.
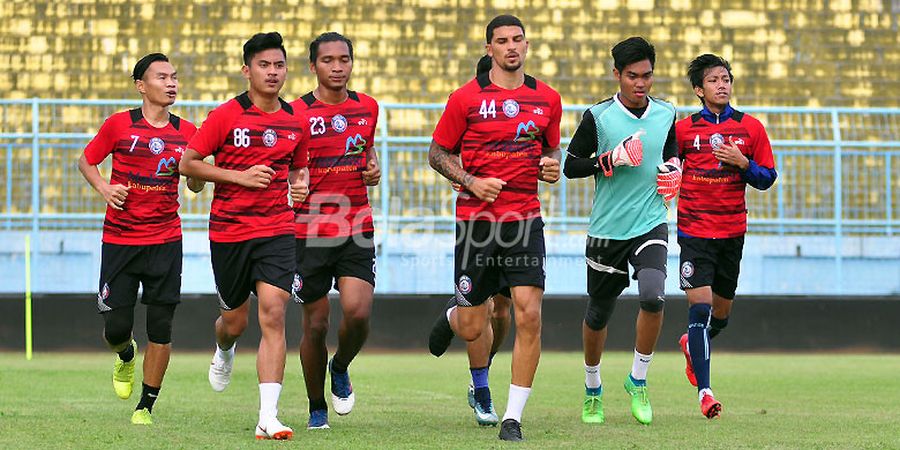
x: 629, y: 152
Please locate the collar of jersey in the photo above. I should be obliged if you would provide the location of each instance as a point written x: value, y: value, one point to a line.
x: 629, y: 113
x: 711, y: 117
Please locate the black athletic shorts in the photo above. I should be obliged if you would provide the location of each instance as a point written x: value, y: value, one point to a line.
x: 157, y: 268
x: 491, y: 256
x: 711, y: 262
x: 608, y: 259
x: 237, y: 266
x: 320, y: 262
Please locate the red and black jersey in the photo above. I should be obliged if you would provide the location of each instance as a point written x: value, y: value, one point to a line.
x: 240, y: 136
x: 712, y: 203
x: 501, y: 133
x: 338, y: 139
x: 145, y: 159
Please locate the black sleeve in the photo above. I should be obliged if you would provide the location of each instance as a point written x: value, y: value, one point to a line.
x: 670, y: 150
x: 579, y: 163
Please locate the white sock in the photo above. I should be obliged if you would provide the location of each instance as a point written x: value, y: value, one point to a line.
x: 640, y: 365
x: 704, y: 392
x: 268, y: 401
x: 592, y: 376
x: 225, y: 355
x: 450, y: 311
x: 518, y: 396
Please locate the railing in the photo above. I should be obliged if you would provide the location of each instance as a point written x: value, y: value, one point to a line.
x: 837, y: 170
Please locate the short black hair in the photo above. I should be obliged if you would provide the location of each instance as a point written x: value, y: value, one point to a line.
x: 260, y: 42
x: 330, y: 36
x: 632, y: 50
x: 144, y: 63
x: 504, y: 20
x: 698, y: 67
x: 484, y: 65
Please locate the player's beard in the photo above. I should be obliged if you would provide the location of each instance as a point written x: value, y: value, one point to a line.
x: 510, y: 67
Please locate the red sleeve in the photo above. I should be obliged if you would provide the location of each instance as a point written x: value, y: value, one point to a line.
x: 551, y: 134
x: 103, y: 142
x: 187, y: 129
x: 301, y: 152
x: 762, y: 148
x: 452, y: 124
x: 211, y: 134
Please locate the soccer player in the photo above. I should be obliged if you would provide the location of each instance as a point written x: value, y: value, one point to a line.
x: 723, y: 150
x: 505, y: 126
x: 256, y: 140
x: 142, y: 230
x: 627, y: 143
x: 500, y: 303
x: 334, y: 229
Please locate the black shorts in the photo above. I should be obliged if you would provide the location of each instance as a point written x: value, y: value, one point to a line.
x: 237, y: 266
x: 711, y: 262
x: 491, y: 257
x: 608, y: 259
x: 320, y: 262
x: 157, y: 268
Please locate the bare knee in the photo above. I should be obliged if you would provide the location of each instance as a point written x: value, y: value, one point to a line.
x: 528, y: 319
x: 234, y: 325
x: 470, y: 332
x: 316, y: 327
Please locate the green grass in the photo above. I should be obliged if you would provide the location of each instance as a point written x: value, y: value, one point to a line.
x: 65, y: 400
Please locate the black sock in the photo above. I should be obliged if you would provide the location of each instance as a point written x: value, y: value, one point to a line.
x: 127, y: 354
x: 315, y: 405
x: 337, y: 366
x: 148, y: 397
x: 716, y: 326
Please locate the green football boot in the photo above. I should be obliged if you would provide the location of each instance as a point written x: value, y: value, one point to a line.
x: 640, y: 402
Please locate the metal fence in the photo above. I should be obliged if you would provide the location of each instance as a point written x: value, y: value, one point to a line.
x: 837, y: 170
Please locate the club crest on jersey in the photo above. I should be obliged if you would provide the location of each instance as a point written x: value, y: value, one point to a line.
x: 270, y: 137
x: 339, y: 123
x: 687, y: 269
x: 355, y: 145
x: 510, y: 108
x: 525, y: 131
x: 157, y: 145
x: 716, y: 141
x: 166, y: 167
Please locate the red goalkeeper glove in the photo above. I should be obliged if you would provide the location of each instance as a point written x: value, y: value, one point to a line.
x: 668, y: 180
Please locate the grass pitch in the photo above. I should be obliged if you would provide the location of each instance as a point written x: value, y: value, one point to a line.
x: 65, y: 400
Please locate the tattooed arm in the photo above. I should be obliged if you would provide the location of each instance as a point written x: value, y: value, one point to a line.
x: 446, y: 164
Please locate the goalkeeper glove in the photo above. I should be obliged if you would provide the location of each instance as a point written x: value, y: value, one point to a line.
x: 629, y: 152
x: 668, y: 180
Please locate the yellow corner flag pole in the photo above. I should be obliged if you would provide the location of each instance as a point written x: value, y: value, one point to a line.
x: 28, y: 297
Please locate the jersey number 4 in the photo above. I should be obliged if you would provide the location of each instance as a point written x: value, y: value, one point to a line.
x: 486, y: 109
x: 697, y: 142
